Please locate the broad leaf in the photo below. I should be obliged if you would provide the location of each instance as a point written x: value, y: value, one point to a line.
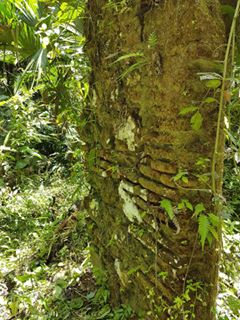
x: 196, y: 121
x: 213, y: 84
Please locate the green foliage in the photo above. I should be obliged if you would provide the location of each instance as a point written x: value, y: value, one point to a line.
x: 40, y: 34
x: 196, y: 121
x: 228, y: 298
x: 203, y: 228
x: 46, y: 87
x: 131, y: 61
x: 180, y: 306
x: 187, y: 110
x: 44, y: 256
x: 198, y: 209
x: 29, y: 220
x: 208, y: 225
x: 181, y: 176
x: 45, y: 271
x: 46, y: 274
x: 119, y: 6
x: 228, y: 10
x: 213, y: 83
x: 167, y: 206
x: 210, y: 100
x: 152, y: 40
x: 128, y: 56
x: 185, y: 204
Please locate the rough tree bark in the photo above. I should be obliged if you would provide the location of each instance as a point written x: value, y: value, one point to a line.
x: 137, y: 142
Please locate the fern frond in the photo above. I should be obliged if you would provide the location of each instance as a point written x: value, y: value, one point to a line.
x: 152, y: 40
x: 203, y: 228
x: 167, y: 206
x: 214, y: 219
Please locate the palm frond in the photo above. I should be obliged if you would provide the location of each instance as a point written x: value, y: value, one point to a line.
x: 28, y: 10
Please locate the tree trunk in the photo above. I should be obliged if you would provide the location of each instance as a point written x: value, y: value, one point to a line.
x: 145, y: 56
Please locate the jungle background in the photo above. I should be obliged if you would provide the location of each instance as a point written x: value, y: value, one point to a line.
x: 45, y: 268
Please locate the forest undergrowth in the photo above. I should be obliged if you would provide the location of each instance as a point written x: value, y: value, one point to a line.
x: 45, y: 265
x: 44, y: 261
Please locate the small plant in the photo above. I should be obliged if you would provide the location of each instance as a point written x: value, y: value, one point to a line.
x: 196, y: 120
x: 133, y: 66
x: 208, y: 225
x: 152, y: 40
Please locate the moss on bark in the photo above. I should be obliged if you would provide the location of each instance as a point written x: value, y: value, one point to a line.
x: 141, y: 141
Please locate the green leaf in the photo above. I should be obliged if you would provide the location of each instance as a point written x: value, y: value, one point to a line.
x: 1, y: 182
x: 227, y: 9
x: 132, y: 68
x: 210, y: 100
x: 185, y: 203
x: 188, y: 204
x: 103, y: 312
x: 21, y: 164
x: 196, y: 121
x: 6, y: 139
x: 14, y: 307
x: 213, y: 83
x: 214, y: 232
x: 234, y: 304
x: 198, y: 209
x: 202, y: 162
x: 128, y: 56
x: 181, y: 205
x: 178, y: 302
x: 203, y: 228
x: 24, y: 277
x: 187, y: 110
x: 180, y: 175
x: 163, y: 275
x: 57, y: 291
x: 90, y: 295
x: 152, y: 40
x: 133, y: 270
x: 167, y: 206
x: 185, y: 179
x: 214, y: 219
x: 61, y: 283
x: 4, y: 98
x: 209, y: 238
x: 76, y: 303
x: 204, y: 178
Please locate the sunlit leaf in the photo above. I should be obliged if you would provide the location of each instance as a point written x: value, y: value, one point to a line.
x: 203, y: 228
x: 214, y: 219
x: 198, y: 209
x: 213, y: 84
x: 167, y: 206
